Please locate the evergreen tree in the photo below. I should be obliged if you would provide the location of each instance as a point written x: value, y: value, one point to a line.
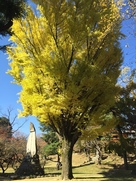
x: 9, y: 9
x: 50, y: 137
x: 125, y: 112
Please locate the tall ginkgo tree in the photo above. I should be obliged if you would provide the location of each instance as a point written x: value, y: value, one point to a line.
x: 67, y: 56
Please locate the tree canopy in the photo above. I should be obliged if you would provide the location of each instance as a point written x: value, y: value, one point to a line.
x: 67, y: 60
x: 5, y: 128
x: 128, y: 8
x: 125, y: 105
x: 51, y: 140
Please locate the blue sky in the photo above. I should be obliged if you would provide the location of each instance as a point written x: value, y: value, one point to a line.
x: 9, y: 95
x: 9, y: 92
x: 128, y: 44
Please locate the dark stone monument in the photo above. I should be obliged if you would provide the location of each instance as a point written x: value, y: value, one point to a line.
x: 30, y: 164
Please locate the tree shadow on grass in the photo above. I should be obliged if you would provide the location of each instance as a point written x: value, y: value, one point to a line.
x: 49, y: 172
x: 10, y: 177
x: 5, y: 176
x: 52, y: 172
x: 83, y: 165
x: 114, y: 173
x: 119, y: 173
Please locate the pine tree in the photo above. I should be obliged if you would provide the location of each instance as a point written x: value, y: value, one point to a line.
x: 9, y: 9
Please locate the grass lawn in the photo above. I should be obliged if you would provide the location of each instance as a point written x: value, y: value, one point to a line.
x: 110, y: 170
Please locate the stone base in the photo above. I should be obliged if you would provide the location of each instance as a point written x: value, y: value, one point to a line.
x: 30, y: 166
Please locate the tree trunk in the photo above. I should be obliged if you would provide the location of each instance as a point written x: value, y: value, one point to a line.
x: 67, y: 149
x: 2, y: 169
x: 58, y: 162
x: 123, y: 147
x: 125, y: 159
x: 98, y: 154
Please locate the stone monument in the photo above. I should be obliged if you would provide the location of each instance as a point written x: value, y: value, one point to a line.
x: 30, y: 164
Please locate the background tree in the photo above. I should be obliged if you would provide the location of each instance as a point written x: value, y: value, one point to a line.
x: 52, y: 141
x: 40, y: 149
x: 11, y: 119
x: 12, y: 151
x: 132, y: 8
x: 18, y: 149
x: 128, y: 8
x: 5, y: 128
x: 12, y: 143
x: 40, y: 144
x: 125, y: 112
x: 9, y: 9
x: 5, y: 136
x: 53, y: 144
x: 67, y: 60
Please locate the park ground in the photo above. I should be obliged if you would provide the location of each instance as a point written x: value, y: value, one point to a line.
x: 111, y: 169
